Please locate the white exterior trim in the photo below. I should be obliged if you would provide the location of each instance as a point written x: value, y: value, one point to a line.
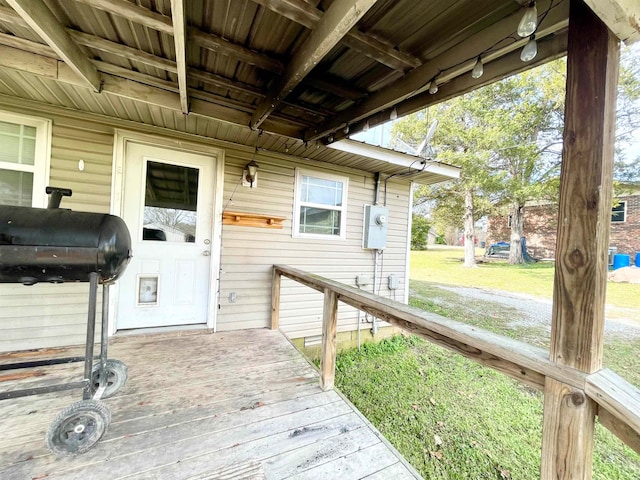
x: 42, y: 159
x: 392, y: 157
x: 407, y: 268
x: 121, y: 138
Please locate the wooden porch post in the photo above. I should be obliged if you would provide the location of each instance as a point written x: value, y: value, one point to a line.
x: 276, y: 280
x: 329, y: 332
x: 583, y: 236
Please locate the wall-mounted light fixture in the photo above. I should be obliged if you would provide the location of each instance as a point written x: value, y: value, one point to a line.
x: 250, y: 175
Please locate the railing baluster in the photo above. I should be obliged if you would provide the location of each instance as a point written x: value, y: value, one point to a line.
x: 329, y: 332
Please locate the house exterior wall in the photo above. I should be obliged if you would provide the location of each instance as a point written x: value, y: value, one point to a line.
x: 249, y: 253
x: 540, y: 229
x: 45, y: 315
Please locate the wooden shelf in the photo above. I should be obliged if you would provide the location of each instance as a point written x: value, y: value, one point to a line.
x: 258, y: 220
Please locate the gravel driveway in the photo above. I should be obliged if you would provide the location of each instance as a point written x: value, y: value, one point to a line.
x: 537, y: 312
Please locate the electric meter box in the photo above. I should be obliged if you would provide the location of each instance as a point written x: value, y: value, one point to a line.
x: 376, y: 225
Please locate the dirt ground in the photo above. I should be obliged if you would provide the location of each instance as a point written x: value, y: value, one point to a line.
x: 625, y: 274
x: 536, y: 312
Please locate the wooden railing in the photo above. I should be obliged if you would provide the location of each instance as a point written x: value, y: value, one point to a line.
x: 618, y: 401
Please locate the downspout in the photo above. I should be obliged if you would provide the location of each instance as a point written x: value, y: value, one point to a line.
x: 374, y: 320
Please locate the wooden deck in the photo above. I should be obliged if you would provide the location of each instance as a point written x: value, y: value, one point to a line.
x: 237, y: 405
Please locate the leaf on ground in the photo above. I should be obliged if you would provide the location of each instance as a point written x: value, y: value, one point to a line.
x: 437, y: 439
x: 506, y: 474
x: 432, y: 400
x: 437, y: 455
x: 415, y: 407
x: 440, y: 424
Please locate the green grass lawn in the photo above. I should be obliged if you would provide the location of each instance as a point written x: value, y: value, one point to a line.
x: 444, y: 265
x: 455, y: 419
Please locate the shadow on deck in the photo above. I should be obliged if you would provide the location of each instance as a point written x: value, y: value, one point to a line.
x: 236, y: 405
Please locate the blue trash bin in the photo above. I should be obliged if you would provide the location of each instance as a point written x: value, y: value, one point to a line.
x: 621, y: 260
x: 637, y: 259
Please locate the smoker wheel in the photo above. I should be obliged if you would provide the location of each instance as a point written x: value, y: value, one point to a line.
x: 78, y: 428
x: 116, y: 377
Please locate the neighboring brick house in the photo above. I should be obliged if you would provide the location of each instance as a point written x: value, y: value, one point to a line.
x: 541, y: 224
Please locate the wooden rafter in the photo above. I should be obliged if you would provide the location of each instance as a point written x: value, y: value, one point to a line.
x: 336, y: 22
x: 305, y: 14
x: 46, y: 25
x: 162, y: 23
x: 463, y: 55
x: 551, y: 47
x: 144, y: 88
x: 180, y: 40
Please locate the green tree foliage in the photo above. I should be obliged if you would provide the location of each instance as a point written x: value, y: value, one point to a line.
x: 507, y: 138
x: 419, y: 232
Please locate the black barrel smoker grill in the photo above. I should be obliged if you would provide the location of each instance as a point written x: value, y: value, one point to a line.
x: 58, y: 245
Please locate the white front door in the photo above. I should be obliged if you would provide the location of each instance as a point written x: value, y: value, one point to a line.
x: 168, y: 206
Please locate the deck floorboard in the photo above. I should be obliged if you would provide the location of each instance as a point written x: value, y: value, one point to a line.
x: 232, y: 405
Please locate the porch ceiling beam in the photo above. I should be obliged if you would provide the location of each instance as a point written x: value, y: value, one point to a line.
x: 551, y: 47
x: 164, y: 64
x: 340, y: 17
x: 114, y: 48
x: 382, y: 51
x: 621, y: 16
x: 162, y: 23
x: 47, y: 26
x: 463, y: 55
x: 135, y: 86
x: 178, y: 16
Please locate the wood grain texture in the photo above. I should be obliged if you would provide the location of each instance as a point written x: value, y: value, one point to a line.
x: 246, y: 219
x: 202, y: 406
x: 616, y: 395
x: 518, y: 359
x: 339, y: 18
x: 329, y: 343
x: 276, y: 283
x: 46, y: 25
x: 586, y: 179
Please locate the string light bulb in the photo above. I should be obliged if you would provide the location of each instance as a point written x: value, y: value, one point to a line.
x: 394, y: 114
x: 433, y: 87
x: 366, y: 126
x: 478, y: 68
x: 529, y: 23
x: 346, y: 129
x: 530, y: 50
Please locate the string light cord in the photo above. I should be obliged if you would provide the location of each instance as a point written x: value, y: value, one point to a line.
x: 255, y: 152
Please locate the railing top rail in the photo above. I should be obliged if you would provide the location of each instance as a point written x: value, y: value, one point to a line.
x: 618, y: 400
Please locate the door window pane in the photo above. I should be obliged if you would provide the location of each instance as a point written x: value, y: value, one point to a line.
x: 171, y: 197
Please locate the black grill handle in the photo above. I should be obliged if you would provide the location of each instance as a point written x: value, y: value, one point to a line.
x: 56, y: 195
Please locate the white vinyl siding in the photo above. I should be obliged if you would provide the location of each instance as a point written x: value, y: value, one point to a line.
x: 248, y: 254
x: 46, y: 315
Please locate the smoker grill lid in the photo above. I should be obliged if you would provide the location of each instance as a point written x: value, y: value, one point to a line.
x: 56, y: 245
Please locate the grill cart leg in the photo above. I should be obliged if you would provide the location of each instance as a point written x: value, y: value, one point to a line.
x: 107, y: 376
x: 91, y: 330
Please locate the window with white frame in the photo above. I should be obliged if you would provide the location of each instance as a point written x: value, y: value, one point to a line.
x: 24, y: 154
x: 619, y: 212
x: 320, y: 205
